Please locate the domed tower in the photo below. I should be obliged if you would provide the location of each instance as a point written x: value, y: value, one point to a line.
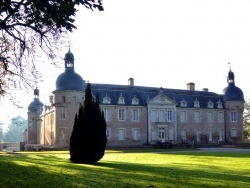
x: 35, y: 109
x: 233, y: 98
x: 68, y: 94
x: 69, y: 79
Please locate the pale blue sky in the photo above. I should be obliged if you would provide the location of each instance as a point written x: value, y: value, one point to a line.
x: 162, y: 43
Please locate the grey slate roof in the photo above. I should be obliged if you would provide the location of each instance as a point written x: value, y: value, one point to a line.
x: 144, y: 94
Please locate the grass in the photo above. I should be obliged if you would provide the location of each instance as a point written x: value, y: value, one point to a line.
x: 128, y: 168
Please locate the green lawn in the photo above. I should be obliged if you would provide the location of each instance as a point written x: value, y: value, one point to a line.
x: 129, y: 168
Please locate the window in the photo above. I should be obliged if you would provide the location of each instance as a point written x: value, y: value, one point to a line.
x: 210, y: 135
x: 135, y: 115
x: 210, y: 117
x: 121, y: 134
x: 63, y: 99
x: 106, y: 100
x: 234, y: 132
x: 62, y: 133
x: 108, y: 133
x: 161, y: 134
x: 63, y: 112
x: 169, y: 115
x: 219, y: 104
x: 154, y: 115
x: 196, y: 103
x: 221, y: 133
x: 135, y: 134
x: 198, y: 133
x: 210, y: 104
x: 184, y: 134
x: 197, y: 116
x: 220, y: 117
x: 121, y: 114
x: 171, y: 133
x: 183, y: 103
x: 135, y: 101
x: 183, y: 116
x: 121, y: 99
x: 233, y: 116
x: 161, y: 116
x: 106, y: 112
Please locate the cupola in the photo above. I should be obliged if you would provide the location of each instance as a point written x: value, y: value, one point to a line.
x: 69, y: 79
x: 36, y: 105
x: 231, y: 92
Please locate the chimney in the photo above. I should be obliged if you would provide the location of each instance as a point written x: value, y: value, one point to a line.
x: 51, y: 99
x: 191, y: 86
x: 205, y: 89
x: 131, y: 82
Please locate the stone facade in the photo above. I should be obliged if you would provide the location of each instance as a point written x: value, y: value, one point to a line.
x: 138, y: 115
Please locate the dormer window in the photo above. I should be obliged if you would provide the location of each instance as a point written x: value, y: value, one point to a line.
x: 135, y: 101
x: 210, y: 104
x: 106, y: 100
x: 183, y: 103
x: 219, y: 104
x: 196, y: 103
x: 121, y: 99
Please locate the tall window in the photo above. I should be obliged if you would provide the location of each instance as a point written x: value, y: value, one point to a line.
x: 210, y: 135
x: 121, y: 114
x: 135, y: 133
x: 106, y: 112
x: 221, y: 135
x: 234, y: 132
x: 184, y: 134
x: 220, y: 117
x: 169, y: 115
x: 63, y: 99
x: 198, y: 134
x: 197, y: 116
x: 121, y: 134
x: 63, y: 112
x: 62, y: 133
x: 183, y: 116
x: 161, y: 134
x: 233, y: 116
x: 161, y: 116
x: 135, y: 114
x: 210, y: 117
x: 154, y: 115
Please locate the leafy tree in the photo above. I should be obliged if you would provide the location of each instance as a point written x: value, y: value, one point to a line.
x: 88, y: 139
x: 15, y: 130
x: 27, y: 26
x: 246, y: 119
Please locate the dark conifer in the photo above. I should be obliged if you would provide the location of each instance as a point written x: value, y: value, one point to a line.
x: 88, y: 139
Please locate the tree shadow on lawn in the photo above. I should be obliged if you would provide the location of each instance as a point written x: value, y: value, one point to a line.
x: 53, y: 171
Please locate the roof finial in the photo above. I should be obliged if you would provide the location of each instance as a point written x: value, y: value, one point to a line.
x: 69, y: 45
x: 229, y: 65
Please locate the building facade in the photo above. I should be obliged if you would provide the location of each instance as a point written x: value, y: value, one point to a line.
x: 139, y: 115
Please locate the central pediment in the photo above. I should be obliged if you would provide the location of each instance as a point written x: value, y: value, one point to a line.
x: 162, y: 99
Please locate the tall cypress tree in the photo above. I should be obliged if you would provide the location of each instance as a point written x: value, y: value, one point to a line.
x: 88, y: 139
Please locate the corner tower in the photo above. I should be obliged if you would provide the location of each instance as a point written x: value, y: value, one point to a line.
x: 35, y: 109
x: 67, y: 96
x: 233, y: 99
